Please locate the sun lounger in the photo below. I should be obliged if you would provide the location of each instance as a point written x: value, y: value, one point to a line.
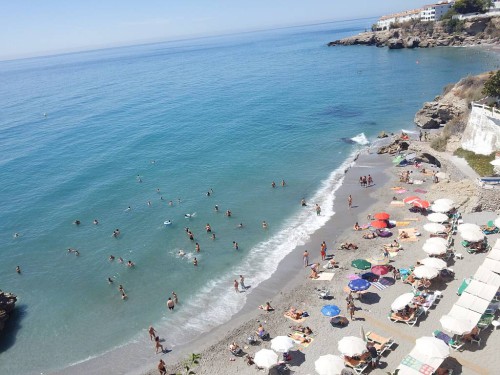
x: 357, y: 365
x: 485, y: 321
x: 448, y: 340
x: 411, y: 320
x: 382, y: 344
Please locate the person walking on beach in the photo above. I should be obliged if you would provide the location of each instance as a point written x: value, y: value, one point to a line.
x: 170, y: 304
x: 158, y: 345
x: 306, y: 258
x: 370, y: 180
x: 161, y: 367
x: 349, y: 201
x: 175, y: 298
x: 236, y: 288
x: 152, y: 333
x: 352, y: 309
x: 242, y: 282
x: 323, y: 250
x: 318, y: 210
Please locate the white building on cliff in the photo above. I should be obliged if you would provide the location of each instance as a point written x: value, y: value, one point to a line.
x: 432, y: 12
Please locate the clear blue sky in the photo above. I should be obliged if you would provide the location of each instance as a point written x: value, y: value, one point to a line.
x: 34, y: 27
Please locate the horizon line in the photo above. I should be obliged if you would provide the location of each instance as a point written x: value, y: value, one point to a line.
x: 179, y: 39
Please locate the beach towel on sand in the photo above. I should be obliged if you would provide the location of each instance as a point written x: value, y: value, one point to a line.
x: 421, y: 191
x: 402, y: 223
x: 396, y: 188
x: 411, y: 232
x: 397, y: 203
x: 325, y: 276
x: 301, y: 320
x: 379, y: 285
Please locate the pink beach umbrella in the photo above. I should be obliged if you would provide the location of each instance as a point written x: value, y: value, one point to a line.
x: 409, y: 200
x: 420, y: 203
x: 380, y: 270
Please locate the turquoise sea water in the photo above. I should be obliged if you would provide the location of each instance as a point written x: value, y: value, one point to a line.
x: 229, y: 113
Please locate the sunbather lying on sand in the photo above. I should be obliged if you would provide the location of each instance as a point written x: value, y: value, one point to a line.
x: 403, y: 235
x: 294, y: 313
x: 348, y: 246
x: 369, y: 236
x: 356, y: 226
x: 266, y: 307
x: 234, y: 348
x: 330, y: 264
x: 297, y: 337
x: 305, y: 330
x: 392, y: 245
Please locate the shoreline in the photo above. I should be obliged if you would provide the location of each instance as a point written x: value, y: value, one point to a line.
x: 273, y: 288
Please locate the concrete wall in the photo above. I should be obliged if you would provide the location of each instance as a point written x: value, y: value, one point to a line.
x: 482, y: 133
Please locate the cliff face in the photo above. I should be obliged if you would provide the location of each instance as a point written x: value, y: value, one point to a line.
x: 7, y: 304
x: 429, y: 34
x: 482, y: 133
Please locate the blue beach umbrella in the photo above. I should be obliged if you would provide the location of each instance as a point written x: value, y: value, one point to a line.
x: 330, y: 310
x: 359, y: 285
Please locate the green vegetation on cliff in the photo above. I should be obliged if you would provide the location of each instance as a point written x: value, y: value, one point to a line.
x: 480, y: 163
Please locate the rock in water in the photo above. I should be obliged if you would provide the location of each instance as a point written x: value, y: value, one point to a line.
x: 7, y: 304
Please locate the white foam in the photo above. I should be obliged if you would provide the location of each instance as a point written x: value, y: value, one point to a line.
x: 360, y: 139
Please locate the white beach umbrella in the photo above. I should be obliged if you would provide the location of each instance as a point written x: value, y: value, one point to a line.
x: 495, y: 162
x: 437, y: 217
x: 434, y: 248
x: 468, y: 226
x: 437, y: 240
x: 329, y: 365
x: 445, y: 202
x: 497, y: 222
x: 436, y: 263
x: 282, y: 343
x: 351, y: 346
x: 494, y: 254
x: 473, y: 303
x: 455, y: 325
x: 482, y: 290
x: 441, y: 207
x: 486, y: 276
x: 403, y: 300
x: 265, y: 358
x: 472, y: 235
x: 432, y: 347
x: 434, y: 227
x: 425, y: 272
x: 441, y: 175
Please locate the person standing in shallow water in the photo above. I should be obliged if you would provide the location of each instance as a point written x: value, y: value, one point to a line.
x: 305, y: 257
x: 349, y: 201
x: 318, y: 209
x: 236, y: 288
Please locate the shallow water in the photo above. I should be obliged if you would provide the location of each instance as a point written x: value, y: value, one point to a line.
x: 230, y: 114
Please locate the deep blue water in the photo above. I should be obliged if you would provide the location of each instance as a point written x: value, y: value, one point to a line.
x: 229, y: 113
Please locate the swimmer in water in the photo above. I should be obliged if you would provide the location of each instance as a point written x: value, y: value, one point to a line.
x: 181, y: 253
x: 96, y: 222
x: 16, y: 235
x: 240, y: 225
x: 130, y: 264
x: 208, y: 228
x: 124, y: 296
x: 110, y: 280
x: 128, y: 208
x: 208, y: 193
x: 18, y: 269
x: 149, y: 203
x: 213, y: 236
x: 158, y: 190
x: 120, y: 259
x: 111, y: 258
x: 235, y: 245
x: 216, y: 208
x: 228, y: 213
x: 170, y: 203
x: 264, y: 225
x: 77, y: 222
x: 273, y: 184
x: 120, y: 288
x: 283, y: 183
x: 197, y: 247
x: 303, y: 202
x: 195, y: 262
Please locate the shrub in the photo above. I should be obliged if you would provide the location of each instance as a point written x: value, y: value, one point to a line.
x: 452, y: 26
x: 439, y: 143
x: 492, y: 85
x: 480, y: 163
x: 472, y: 6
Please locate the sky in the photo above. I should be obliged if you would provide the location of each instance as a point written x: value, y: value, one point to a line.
x: 31, y: 28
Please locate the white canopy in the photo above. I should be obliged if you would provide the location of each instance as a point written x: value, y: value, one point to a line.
x: 434, y: 248
x: 437, y: 217
x: 494, y: 254
x: 497, y: 223
x: 329, y: 365
x: 436, y: 263
x: 472, y: 235
x: 265, y: 358
x: 433, y: 362
x: 444, y: 202
x: 403, y: 300
x: 351, y: 346
x: 468, y: 226
x: 434, y: 227
x: 282, y: 343
x: 437, y: 240
x: 481, y: 290
x: 455, y: 326
x: 441, y: 207
x: 465, y: 314
x: 492, y: 265
x: 473, y: 303
x: 425, y: 272
x: 486, y: 276
x: 497, y: 243
x: 432, y: 347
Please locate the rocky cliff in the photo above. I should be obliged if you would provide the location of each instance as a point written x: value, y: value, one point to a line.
x: 7, y: 304
x: 485, y: 30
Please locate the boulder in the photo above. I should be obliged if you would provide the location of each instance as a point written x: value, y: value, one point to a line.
x: 395, y: 43
x: 476, y: 26
x: 412, y: 42
x: 7, y: 304
x: 424, y: 43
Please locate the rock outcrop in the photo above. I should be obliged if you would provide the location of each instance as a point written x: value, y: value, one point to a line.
x: 484, y: 30
x: 7, y: 304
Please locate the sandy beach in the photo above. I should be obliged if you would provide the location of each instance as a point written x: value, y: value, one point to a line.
x: 291, y: 286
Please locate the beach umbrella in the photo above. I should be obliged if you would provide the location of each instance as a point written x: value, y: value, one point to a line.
x: 445, y: 202
x: 421, y: 272
x: 472, y: 235
x: 409, y: 200
x: 282, y: 344
x: 495, y: 162
x: 361, y: 264
x: 434, y: 248
x: 370, y: 276
x: 398, y: 159
x: 380, y: 270
x: 420, y: 203
x: 497, y: 222
x: 437, y: 217
x: 432, y: 347
x: 379, y: 224
x: 403, y: 300
x: 358, y: 285
x: 455, y: 325
x: 330, y: 310
x: 434, y: 227
x: 468, y: 226
x: 441, y: 207
x: 437, y: 240
x: 441, y: 175
x: 382, y: 216
x: 265, y: 358
x: 379, y: 261
x: 329, y: 365
x: 436, y: 263
x: 351, y: 346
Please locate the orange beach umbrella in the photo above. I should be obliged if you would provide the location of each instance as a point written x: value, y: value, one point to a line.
x: 379, y: 224
x: 411, y: 199
x: 420, y: 203
x: 382, y: 216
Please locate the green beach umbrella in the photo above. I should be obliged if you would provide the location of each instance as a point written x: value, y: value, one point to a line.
x: 398, y: 159
x: 361, y: 264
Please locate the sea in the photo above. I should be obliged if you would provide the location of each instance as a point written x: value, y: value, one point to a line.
x: 139, y: 135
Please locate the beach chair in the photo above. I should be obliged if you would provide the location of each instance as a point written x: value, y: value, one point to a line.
x: 411, y: 320
x: 450, y: 341
x: 358, y: 366
x: 463, y: 286
x: 485, y: 321
x: 382, y: 344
